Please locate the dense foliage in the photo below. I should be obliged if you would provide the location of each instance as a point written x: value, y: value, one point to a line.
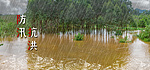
x: 7, y: 25
x: 118, y: 32
x: 145, y: 35
x: 61, y: 14
x: 55, y: 15
x: 141, y: 20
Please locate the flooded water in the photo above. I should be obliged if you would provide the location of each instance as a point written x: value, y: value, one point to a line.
x: 59, y: 51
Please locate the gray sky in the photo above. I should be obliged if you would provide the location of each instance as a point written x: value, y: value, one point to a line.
x: 13, y: 6
x: 19, y: 6
x: 141, y: 4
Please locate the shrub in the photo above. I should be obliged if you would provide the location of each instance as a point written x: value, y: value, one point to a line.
x: 131, y: 28
x: 145, y: 35
x: 125, y: 40
x: 112, y: 36
x: 79, y: 37
x: 118, y: 32
x: 1, y: 44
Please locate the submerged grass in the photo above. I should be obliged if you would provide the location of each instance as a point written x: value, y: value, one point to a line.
x: 79, y: 37
x: 112, y: 36
x: 1, y: 44
x: 124, y: 40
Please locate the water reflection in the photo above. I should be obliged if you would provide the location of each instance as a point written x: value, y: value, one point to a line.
x: 97, y: 51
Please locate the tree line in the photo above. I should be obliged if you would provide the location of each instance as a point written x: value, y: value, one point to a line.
x: 62, y: 14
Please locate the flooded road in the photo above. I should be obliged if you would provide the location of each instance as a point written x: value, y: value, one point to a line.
x: 59, y: 51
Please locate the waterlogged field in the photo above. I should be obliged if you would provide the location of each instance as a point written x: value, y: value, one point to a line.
x: 97, y: 51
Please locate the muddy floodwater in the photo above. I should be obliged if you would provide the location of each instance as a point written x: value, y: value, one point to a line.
x: 59, y: 51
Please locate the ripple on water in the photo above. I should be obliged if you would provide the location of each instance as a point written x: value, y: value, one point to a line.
x: 69, y: 63
x: 61, y: 52
x: 13, y: 62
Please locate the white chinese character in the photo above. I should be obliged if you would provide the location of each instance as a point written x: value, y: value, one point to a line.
x: 34, y: 32
x: 23, y: 19
x: 33, y: 45
x: 22, y: 31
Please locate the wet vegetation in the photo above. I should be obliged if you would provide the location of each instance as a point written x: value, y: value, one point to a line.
x: 145, y: 35
x: 112, y: 36
x: 124, y: 40
x: 79, y: 37
x: 7, y: 25
x: 118, y: 32
x: 79, y: 34
x: 54, y: 16
x: 141, y: 20
x: 64, y: 15
x: 1, y: 44
x: 61, y: 15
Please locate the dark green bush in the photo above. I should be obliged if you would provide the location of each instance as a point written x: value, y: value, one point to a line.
x: 125, y: 40
x: 145, y: 35
x: 1, y: 44
x: 79, y: 37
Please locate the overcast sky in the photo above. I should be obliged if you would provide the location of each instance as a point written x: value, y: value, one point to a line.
x: 19, y: 6
x: 141, y: 4
x: 13, y: 6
